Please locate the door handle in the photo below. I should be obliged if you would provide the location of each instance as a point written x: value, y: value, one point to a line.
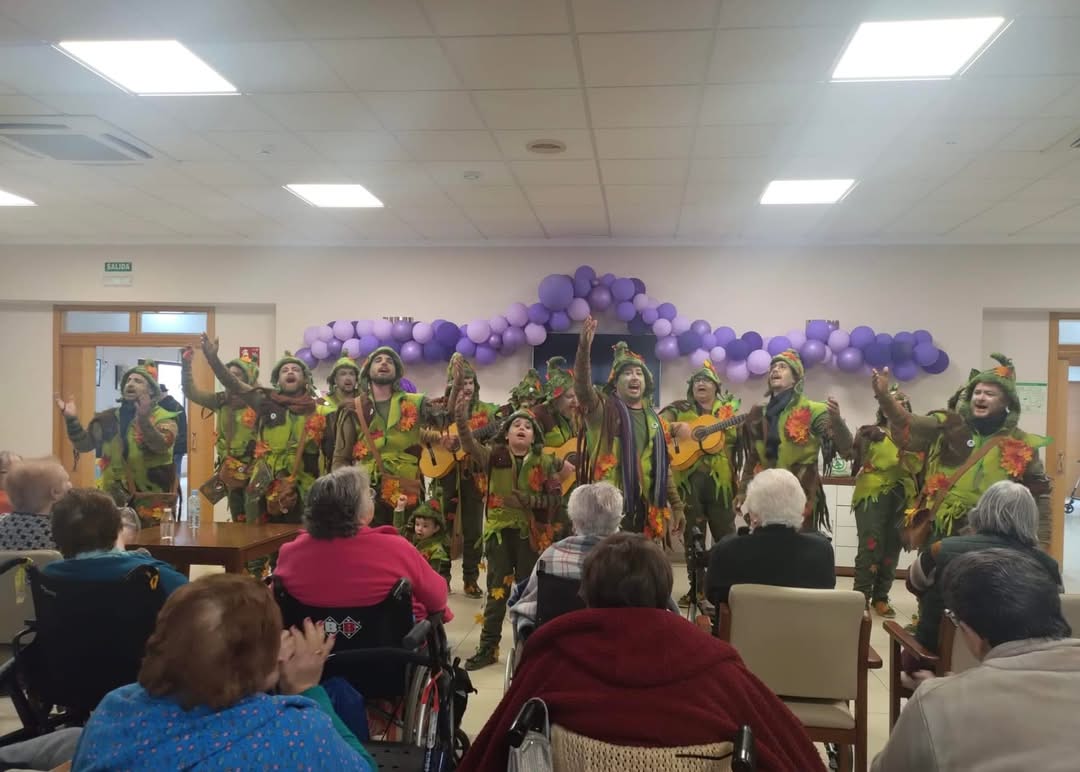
x: 194, y: 443
x: 1061, y: 463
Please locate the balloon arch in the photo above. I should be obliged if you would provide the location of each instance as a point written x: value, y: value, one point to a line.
x: 565, y: 299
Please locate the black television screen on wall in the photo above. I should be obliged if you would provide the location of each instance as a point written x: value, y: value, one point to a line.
x: 565, y: 345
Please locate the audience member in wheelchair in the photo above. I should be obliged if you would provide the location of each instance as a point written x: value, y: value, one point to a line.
x: 595, y: 511
x: 1005, y: 516
x: 1016, y: 710
x: 7, y: 461
x: 33, y: 486
x: 775, y: 551
x: 627, y: 671
x: 341, y: 562
x: 200, y: 701
x: 87, y: 527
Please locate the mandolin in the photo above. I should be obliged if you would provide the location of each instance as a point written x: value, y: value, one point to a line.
x: 436, y: 461
x: 706, y: 438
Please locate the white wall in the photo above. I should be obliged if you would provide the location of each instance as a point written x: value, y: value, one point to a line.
x: 267, y: 297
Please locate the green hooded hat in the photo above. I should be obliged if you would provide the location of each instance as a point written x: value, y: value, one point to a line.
x: 148, y: 370
x: 530, y: 387
x: 432, y: 510
x: 538, y: 433
x: 1003, y: 376
x: 791, y: 358
x: 289, y: 359
x: 708, y: 372
x: 560, y: 378
x: 467, y: 372
x: 248, y: 368
x: 365, y: 368
x: 344, y: 362
x: 624, y: 358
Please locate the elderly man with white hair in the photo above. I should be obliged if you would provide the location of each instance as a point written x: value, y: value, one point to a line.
x: 595, y: 512
x: 776, y: 551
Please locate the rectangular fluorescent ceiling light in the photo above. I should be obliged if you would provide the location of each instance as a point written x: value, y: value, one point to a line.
x: 336, y: 196
x: 931, y: 49
x: 805, y: 191
x: 148, y: 67
x: 10, y: 199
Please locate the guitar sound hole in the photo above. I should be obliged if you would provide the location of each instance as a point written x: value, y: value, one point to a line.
x: 699, y: 434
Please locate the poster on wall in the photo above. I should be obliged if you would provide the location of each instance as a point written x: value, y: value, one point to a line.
x: 250, y: 354
x: 602, y: 355
x: 1032, y: 397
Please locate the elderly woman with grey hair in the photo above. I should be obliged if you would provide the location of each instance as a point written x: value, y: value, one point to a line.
x: 1006, y: 516
x: 339, y: 561
x: 595, y: 513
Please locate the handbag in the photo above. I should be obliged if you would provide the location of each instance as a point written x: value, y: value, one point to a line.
x: 283, y: 495
x: 530, y: 739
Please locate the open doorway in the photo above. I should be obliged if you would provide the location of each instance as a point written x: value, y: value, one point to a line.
x: 1063, y: 456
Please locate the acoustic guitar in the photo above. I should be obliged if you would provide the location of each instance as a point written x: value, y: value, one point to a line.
x: 436, y: 461
x: 566, y: 452
x: 706, y: 438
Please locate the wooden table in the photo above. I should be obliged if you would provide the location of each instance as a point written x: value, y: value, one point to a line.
x: 216, y: 544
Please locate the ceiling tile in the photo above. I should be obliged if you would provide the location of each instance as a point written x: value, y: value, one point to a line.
x: 721, y: 170
x: 643, y: 223
x: 206, y: 202
x: 1032, y: 46
x: 449, y: 145
x: 131, y: 113
x: 645, y: 58
x: 1066, y: 223
x: 933, y: 218
x: 268, y: 200
x: 506, y: 222
x: 216, y: 113
x: 792, y: 13
x: 284, y: 172
x: 644, y: 171
x: 43, y: 70
x: 514, y: 144
x: 264, y: 145
x: 186, y: 145
x: 939, y: 162
x: 565, y: 195
x: 497, y: 17
x: 793, y: 54
x: 644, y: 106
x: 1019, y: 166
x: 276, y: 67
x: 204, y: 20
x: 573, y: 222
x: 975, y: 188
x: 318, y: 112
x: 1041, y: 134
x: 1009, y: 217
x: 15, y: 105
x: 643, y: 143
x: 398, y: 64
x: 635, y: 15
x: 757, y: 102
x: 555, y: 172
x: 223, y: 173
x: 429, y: 199
x: 643, y: 197
x: 1068, y: 104
x: 424, y: 110
x: 453, y: 172
x: 1000, y: 97
x: 398, y: 173
x: 85, y: 20
x: 355, y: 18
x: 737, y: 140
x: 470, y: 196
x: 561, y: 108
x: 355, y: 145
x: 1051, y: 189
x: 520, y: 61
x: 450, y: 226
x: 968, y: 135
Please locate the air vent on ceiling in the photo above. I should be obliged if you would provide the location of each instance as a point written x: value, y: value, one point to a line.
x: 82, y: 140
x: 1075, y: 144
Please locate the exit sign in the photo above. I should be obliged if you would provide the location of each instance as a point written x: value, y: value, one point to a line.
x: 118, y: 273
x: 118, y: 267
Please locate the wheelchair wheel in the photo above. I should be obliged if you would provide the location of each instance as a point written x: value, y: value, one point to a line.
x: 461, y: 745
x: 1069, y: 507
x: 418, y: 676
x: 508, y: 673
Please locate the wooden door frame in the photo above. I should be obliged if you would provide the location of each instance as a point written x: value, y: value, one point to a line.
x: 1057, y: 426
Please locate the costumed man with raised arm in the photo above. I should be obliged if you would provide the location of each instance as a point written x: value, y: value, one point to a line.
x: 523, y: 493
x: 235, y: 430
x: 133, y: 444
x: 708, y: 487
x: 384, y: 434
x: 789, y: 432
x: 626, y: 441
x: 344, y: 382
x: 886, y: 483
x: 971, y: 445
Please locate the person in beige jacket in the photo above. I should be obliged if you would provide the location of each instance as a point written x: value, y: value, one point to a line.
x: 1018, y: 708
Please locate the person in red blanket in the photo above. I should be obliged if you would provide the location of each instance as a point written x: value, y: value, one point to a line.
x: 627, y: 671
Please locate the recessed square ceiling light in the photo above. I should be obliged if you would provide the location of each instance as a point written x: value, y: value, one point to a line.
x: 147, y: 67
x: 339, y: 196
x: 806, y: 191
x: 930, y: 49
x: 10, y: 199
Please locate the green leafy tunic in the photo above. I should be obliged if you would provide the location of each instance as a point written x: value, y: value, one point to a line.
x: 883, y: 467
x: 279, y: 434
x: 718, y: 466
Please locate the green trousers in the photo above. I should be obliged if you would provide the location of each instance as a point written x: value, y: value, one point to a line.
x: 705, y: 507
x: 510, y: 558
x: 472, y: 524
x: 878, y: 524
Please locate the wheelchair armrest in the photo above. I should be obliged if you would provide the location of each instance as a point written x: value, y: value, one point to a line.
x: 419, y: 634
x: 17, y: 644
x: 7, y: 565
x: 901, y: 636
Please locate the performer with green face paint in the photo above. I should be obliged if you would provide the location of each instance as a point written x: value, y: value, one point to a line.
x: 626, y: 441
x: 134, y: 444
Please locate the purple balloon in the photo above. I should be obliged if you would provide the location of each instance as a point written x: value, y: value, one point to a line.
x: 304, y: 355
x: 486, y: 355
x: 495, y: 341
x: 600, y: 298
x: 900, y: 351
x: 351, y: 348
x: 701, y: 327
x: 422, y: 332
x: 466, y: 347
x: 738, y: 372
x: 813, y: 352
x: 624, y: 311
x: 905, y: 371
x: 535, y: 334
x: 688, y: 341
x: 311, y: 334
x: 368, y: 343
x: 650, y: 315
x: 884, y: 338
x: 407, y: 386
x: 556, y: 291
x: 708, y: 341
x: 517, y: 315
x: 904, y: 337
x: 862, y: 336
x: 586, y: 272
x: 679, y: 324
x: 753, y: 340
x: 717, y: 354
x: 850, y: 360
x: 639, y: 286
x: 578, y: 310
x: 559, y: 321
x: 667, y: 311
x: 838, y: 341
x: 393, y: 344
x: 724, y: 335
x: 940, y: 366
x: 343, y: 330
x: 607, y: 279
x: 699, y: 357
x: 667, y: 349
x: 364, y: 327
x: 641, y: 302
x: 437, y: 324
x: 383, y: 329
x: 478, y: 331
x: 434, y: 351
x: 876, y: 354
x: 326, y: 333
x: 797, y: 338
x: 818, y: 330
x: 737, y: 350
x: 582, y: 287
x: 320, y: 350
x: 758, y: 362
x: 778, y: 345
x: 334, y: 347
x: 401, y: 331
x: 498, y: 325
x: 637, y: 326
x: 661, y: 328
x: 925, y: 354
x: 923, y: 336
x: 411, y: 351
x: 539, y: 314
x: 622, y: 289
x: 448, y: 335
x: 513, y: 339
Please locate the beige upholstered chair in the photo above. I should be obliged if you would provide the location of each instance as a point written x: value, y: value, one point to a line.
x: 812, y: 648
x: 13, y: 615
x: 1070, y: 609
x: 571, y: 752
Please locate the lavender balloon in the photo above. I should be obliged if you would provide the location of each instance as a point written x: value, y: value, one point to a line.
x: 641, y: 301
x: 513, y: 339
x: 535, y: 334
x: 838, y: 341
x: 411, y: 351
x: 922, y: 336
x: 466, y: 347
x: 650, y: 315
x: 708, y: 340
x: 422, y: 332
x: 582, y: 287
x: 813, y: 352
x: 639, y: 286
x: 624, y: 311
x: 701, y: 327
x: 326, y: 333
x: 600, y: 298
x: 343, y: 330
x: 688, y: 341
x: 905, y: 371
x: 904, y: 337
x: 884, y: 338
x: 586, y: 272
x: 351, y: 348
x: 407, y: 386
x: 876, y: 354
x: 434, y: 351
x: 578, y: 310
x: 495, y: 341
x: 737, y: 350
x: 305, y: 356
x: 498, y: 324
x: 517, y: 315
x: 383, y: 329
x: 364, y: 327
x: 797, y: 338
x: 667, y: 349
x: 940, y: 366
x: 699, y: 357
x: 718, y: 354
x: 559, y: 321
x: 539, y: 314
x: 753, y: 340
x: 486, y: 355
x: 738, y: 372
x: 758, y: 362
x: 607, y: 279
x: 778, y: 345
x: 925, y: 354
x: 368, y: 343
x: 320, y: 350
x: 667, y: 311
x: 311, y: 334
x: 661, y: 327
x: 850, y: 360
x: 679, y: 324
x: 556, y: 291
x: 478, y: 331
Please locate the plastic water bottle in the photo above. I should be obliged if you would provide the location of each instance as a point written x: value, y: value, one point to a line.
x: 194, y: 509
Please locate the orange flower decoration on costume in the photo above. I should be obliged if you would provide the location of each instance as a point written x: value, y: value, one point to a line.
x: 391, y: 489
x: 494, y: 501
x: 935, y: 484
x: 1003, y: 371
x: 724, y: 412
x: 481, y: 481
x: 315, y: 427
x: 656, y: 522
x: 604, y: 465
x: 360, y: 450
x: 478, y: 421
x: 247, y: 418
x: 409, y: 416
x: 797, y: 426
x: 261, y: 449
x: 537, y: 478
x: 1015, y: 457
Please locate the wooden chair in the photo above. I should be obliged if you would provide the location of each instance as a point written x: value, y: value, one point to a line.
x: 823, y: 673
